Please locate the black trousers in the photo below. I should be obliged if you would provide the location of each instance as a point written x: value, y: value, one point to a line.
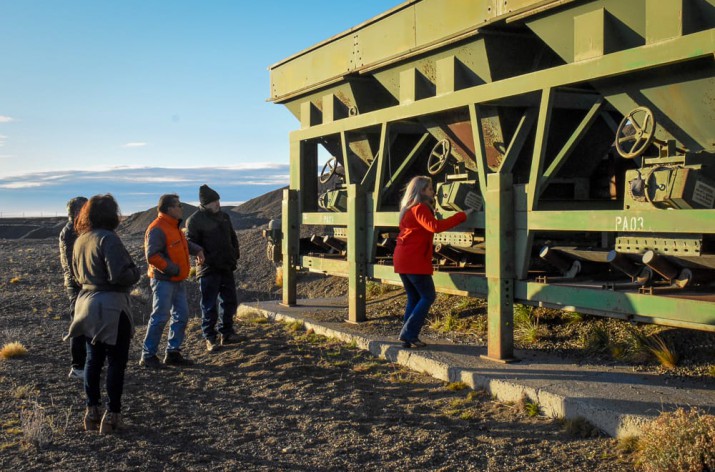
x: 116, y: 357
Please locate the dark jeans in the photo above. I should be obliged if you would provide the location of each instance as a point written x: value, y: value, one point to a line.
x: 78, y: 349
x: 116, y: 356
x: 215, y: 287
x: 420, y: 296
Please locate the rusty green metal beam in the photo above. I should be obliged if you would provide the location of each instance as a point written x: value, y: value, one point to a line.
x: 687, y: 48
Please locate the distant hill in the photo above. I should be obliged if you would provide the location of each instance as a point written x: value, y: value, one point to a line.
x: 255, y: 212
x: 137, y: 223
x: 31, y: 228
x: 258, y: 211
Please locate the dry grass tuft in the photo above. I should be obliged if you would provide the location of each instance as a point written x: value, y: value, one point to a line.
x: 279, y: 277
x: 15, y: 280
x: 596, y: 339
x: 295, y: 326
x: 528, y: 406
x: 366, y: 366
x: 456, y: 386
x: 22, y: 392
x: 678, y: 441
x: 527, y: 327
x: 580, y: 427
x: 573, y: 317
x: 628, y: 444
x: 711, y: 371
x: 663, y: 352
x: 36, y: 426
x: 12, y: 350
x: 253, y: 317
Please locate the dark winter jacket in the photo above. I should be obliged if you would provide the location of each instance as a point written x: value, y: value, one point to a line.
x: 214, y: 233
x: 67, y: 238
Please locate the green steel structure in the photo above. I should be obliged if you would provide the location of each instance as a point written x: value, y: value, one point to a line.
x: 583, y: 132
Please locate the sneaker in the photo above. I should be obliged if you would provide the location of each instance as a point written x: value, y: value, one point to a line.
x: 227, y: 338
x: 175, y: 358
x: 212, y: 345
x: 416, y: 343
x: 111, y: 422
x: 405, y: 343
x: 91, y: 418
x: 152, y: 362
x: 76, y: 373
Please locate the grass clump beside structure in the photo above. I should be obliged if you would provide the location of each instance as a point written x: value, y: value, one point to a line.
x: 683, y: 440
x: 527, y: 326
x: 12, y: 350
x: 456, y: 386
x: 580, y: 427
x: 253, y: 317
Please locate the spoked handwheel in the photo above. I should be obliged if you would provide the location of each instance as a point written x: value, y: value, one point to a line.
x: 439, y: 156
x: 641, y: 133
x: 329, y: 169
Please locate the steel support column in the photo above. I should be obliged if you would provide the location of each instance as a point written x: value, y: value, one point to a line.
x: 291, y: 234
x: 357, y: 256
x: 500, y: 266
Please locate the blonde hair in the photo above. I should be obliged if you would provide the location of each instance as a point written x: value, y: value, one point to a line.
x: 413, y: 193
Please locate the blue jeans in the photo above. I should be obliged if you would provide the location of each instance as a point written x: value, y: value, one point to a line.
x: 215, y: 287
x: 116, y: 357
x: 169, y: 300
x: 420, y: 296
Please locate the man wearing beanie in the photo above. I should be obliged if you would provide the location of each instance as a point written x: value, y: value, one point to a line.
x: 67, y: 238
x: 167, y: 254
x: 211, y: 229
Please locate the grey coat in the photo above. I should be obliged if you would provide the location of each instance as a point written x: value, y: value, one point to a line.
x: 106, y: 272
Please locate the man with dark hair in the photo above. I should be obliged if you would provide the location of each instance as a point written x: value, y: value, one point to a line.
x: 211, y: 229
x: 167, y: 254
x: 68, y: 236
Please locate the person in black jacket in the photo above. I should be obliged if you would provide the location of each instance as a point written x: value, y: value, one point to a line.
x: 68, y: 236
x: 211, y: 229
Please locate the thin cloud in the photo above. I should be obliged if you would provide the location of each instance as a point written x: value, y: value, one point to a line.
x: 252, y: 174
x: 17, y: 185
x: 134, y: 145
x: 6, y: 119
x: 3, y: 139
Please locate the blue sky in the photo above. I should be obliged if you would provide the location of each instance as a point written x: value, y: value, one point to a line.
x: 143, y: 97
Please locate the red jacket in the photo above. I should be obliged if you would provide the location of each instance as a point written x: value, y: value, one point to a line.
x: 413, y: 254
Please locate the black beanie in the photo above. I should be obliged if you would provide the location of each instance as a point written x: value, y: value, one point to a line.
x: 207, y: 195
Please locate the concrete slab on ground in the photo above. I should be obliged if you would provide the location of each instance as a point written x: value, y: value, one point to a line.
x: 616, y: 399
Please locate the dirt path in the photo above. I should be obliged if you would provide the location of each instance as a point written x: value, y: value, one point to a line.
x: 281, y: 399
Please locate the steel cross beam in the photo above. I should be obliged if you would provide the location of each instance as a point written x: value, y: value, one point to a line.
x: 682, y: 49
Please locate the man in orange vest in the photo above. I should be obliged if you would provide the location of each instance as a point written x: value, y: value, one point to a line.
x: 167, y: 253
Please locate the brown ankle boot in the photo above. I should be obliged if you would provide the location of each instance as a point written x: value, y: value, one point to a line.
x: 111, y: 422
x: 91, y: 418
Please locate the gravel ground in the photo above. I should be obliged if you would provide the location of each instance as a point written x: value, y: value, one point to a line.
x: 277, y: 400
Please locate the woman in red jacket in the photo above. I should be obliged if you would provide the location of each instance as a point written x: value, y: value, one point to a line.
x: 413, y: 254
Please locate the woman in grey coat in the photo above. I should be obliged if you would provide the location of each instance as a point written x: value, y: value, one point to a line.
x: 106, y: 273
